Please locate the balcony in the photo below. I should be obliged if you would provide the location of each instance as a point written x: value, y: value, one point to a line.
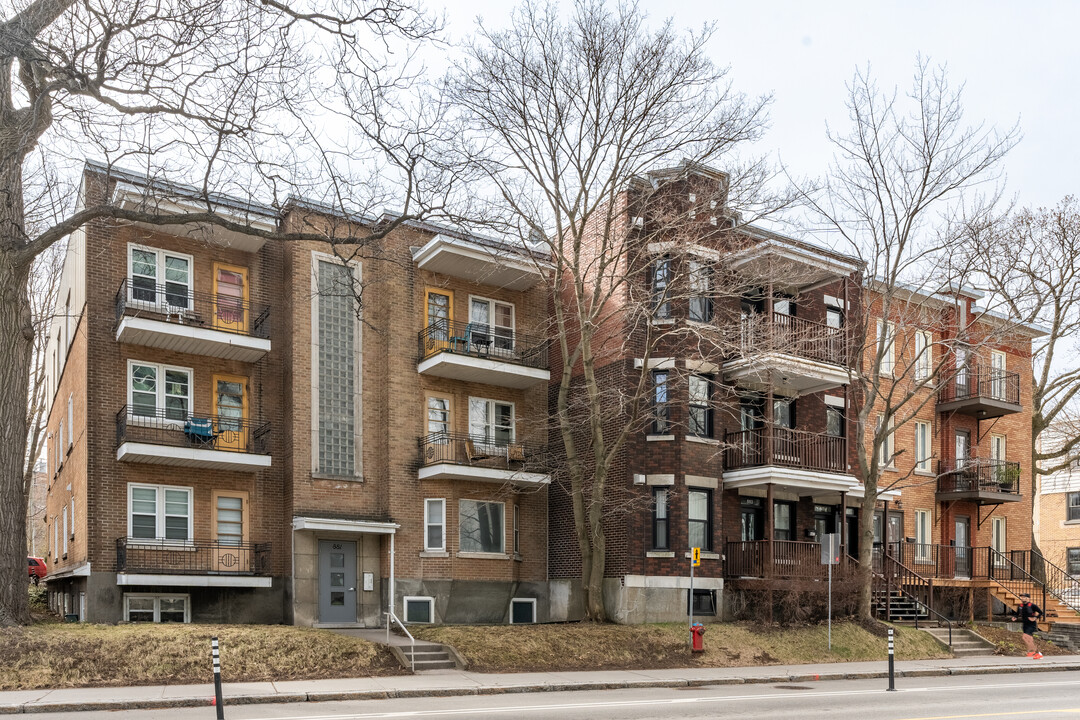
x: 199, y: 563
x: 485, y: 262
x: 475, y: 353
x: 984, y: 481
x: 450, y: 456
x: 174, y: 318
x: 200, y: 441
x: 790, y: 560
x: 790, y: 459
x: 794, y: 355
x: 982, y: 393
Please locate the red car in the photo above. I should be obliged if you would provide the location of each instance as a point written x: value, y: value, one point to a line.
x: 37, y: 569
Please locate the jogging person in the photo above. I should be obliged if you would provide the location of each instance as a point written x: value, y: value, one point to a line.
x: 1028, y: 613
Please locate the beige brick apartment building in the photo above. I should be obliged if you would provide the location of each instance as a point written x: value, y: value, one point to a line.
x: 248, y: 429
x: 234, y: 438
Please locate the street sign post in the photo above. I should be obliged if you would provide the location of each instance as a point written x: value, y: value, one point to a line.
x: 695, y: 561
x: 830, y: 555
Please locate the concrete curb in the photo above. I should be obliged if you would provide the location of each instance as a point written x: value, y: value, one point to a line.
x: 340, y: 696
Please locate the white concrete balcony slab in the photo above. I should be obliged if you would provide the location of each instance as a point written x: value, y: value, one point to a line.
x: 487, y: 263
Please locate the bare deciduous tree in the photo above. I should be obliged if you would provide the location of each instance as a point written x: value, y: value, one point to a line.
x: 570, y: 118
x: 227, y: 92
x: 894, y: 198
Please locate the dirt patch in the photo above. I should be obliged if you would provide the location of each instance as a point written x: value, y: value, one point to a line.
x: 56, y: 655
x: 1012, y: 644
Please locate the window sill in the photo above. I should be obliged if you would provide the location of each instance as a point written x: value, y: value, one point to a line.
x: 662, y: 321
x: 483, y: 556
x: 1072, y: 522
x: 434, y: 554
x: 705, y: 555
x: 925, y: 473
x: 659, y: 554
x: 888, y: 469
x: 702, y: 440
x: 134, y: 544
x: 337, y: 478
x: 659, y: 438
x: 700, y: 323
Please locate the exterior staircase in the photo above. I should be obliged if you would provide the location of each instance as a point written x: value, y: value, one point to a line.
x: 1066, y: 635
x: 426, y: 656
x: 965, y: 643
x: 897, y: 607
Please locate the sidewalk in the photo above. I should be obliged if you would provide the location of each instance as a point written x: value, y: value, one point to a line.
x: 457, y: 682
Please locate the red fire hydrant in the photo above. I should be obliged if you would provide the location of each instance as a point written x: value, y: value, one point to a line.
x: 697, y: 635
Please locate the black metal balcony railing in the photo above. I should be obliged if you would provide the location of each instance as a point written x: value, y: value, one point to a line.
x: 483, y: 341
x: 180, y: 429
x: 197, y: 557
x: 975, y: 383
x: 784, y: 446
x: 792, y: 335
x: 480, y: 450
x: 979, y: 475
x: 180, y: 305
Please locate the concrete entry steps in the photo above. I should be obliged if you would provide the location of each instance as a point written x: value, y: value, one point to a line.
x: 428, y: 655
x: 965, y: 643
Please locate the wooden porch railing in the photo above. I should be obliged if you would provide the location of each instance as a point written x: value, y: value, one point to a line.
x: 792, y: 335
x: 791, y: 560
x: 785, y: 447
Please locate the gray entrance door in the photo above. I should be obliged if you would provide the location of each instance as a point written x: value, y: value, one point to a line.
x: 337, y: 581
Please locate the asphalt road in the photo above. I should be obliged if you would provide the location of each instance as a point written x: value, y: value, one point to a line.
x: 1036, y: 695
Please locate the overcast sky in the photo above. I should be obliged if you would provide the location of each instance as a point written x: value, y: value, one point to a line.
x: 1018, y: 62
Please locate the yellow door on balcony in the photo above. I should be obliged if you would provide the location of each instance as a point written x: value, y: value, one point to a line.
x: 230, y: 405
x: 231, y: 552
x: 230, y: 298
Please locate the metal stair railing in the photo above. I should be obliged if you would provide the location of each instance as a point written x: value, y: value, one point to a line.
x: 885, y: 568
x: 1061, y: 585
x: 392, y: 618
x: 1014, y: 579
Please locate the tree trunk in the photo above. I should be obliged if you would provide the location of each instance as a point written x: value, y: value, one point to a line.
x: 865, y: 571
x: 16, y: 347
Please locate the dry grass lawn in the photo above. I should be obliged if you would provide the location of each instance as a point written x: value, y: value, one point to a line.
x: 1011, y: 643
x: 585, y: 646
x: 54, y: 655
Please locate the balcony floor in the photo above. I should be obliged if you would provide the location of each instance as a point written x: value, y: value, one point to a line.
x: 787, y: 374
x: 490, y: 371
x: 189, y: 338
x: 151, y: 453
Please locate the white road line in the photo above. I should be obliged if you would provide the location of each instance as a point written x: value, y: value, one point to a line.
x: 639, y: 703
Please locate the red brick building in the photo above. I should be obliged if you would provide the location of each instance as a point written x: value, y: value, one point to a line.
x: 235, y: 437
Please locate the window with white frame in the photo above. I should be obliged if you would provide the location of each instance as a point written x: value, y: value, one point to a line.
x: 159, y: 512
x: 700, y: 282
x: 159, y: 278
x: 700, y: 409
x: 60, y: 445
x: 64, y: 537
x: 922, y: 446
x: 517, y: 532
x: 140, y: 607
x: 159, y: 391
x: 922, y: 535
x: 885, y: 450
x: 522, y: 611
x: 924, y: 357
x: 435, y: 524
x: 491, y: 421
x: 480, y: 526
x: 337, y: 336
x: 1072, y: 506
x: 494, y: 318
x: 419, y: 609
x: 71, y: 420
x: 72, y: 518
x: 886, y: 336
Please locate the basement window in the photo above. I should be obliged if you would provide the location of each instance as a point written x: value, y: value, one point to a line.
x: 522, y: 611
x: 419, y: 610
x: 705, y: 602
x: 157, y: 608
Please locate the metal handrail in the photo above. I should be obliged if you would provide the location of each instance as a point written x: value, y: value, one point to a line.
x: 1058, y: 582
x: 391, y: 616
x: 484, y: 341
x: 973, y: 382
x: 1017, y: 576
x: 190, y: 429
x: 979, y: 474
x: 911, y: 575
x: 181, y: 305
